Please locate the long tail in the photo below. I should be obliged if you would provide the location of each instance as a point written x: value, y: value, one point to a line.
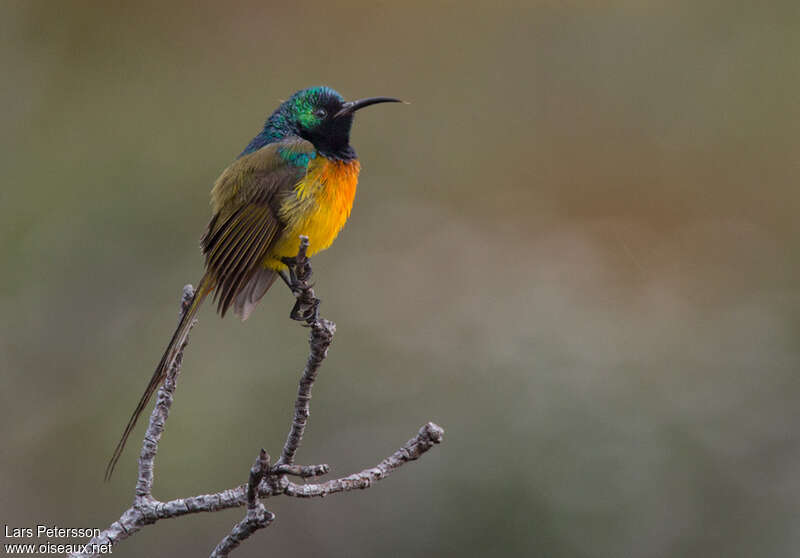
x: 178, y: 338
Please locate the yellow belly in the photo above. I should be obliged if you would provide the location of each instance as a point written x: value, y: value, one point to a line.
x: 319, y: 209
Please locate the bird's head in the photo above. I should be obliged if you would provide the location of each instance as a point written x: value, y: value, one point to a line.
x: 319, y: 115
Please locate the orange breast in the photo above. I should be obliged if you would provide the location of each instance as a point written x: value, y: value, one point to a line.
x: 320, y: 208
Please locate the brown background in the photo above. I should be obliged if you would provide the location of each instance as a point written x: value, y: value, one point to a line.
x: 576, y: 251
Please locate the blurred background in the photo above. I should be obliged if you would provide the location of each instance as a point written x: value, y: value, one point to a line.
x: 576, y: 250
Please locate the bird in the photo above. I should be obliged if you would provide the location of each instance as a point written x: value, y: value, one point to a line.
x: 296, y: 177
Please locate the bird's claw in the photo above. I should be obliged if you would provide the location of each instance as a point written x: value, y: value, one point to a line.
x: 304, y: 312
x: 306, y: 308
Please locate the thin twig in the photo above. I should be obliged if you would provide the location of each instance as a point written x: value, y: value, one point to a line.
x: 264, y: 481
x: 257, y: 516
x: 302, y: 471
x: 320, y: 338
x: 142, y: 512
x: 425, y: 439
x: 158, y: 418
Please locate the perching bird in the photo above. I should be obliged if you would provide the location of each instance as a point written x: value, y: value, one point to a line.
x: 297, y: 177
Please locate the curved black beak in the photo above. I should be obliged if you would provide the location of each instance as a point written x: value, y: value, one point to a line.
x: 351, y: 106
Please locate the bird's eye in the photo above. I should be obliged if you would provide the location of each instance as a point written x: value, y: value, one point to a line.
x: 321, y: 113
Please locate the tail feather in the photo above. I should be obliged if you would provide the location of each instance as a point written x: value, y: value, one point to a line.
x: 178, y: 338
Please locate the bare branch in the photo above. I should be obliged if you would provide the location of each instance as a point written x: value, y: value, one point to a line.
x: 264, y: 481
x: 302, y: 471
x: 425, y: 439
x: 322, y: 332
x: 158, y: 418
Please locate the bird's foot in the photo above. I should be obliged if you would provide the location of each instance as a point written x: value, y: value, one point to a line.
x: 306, y: 308
x: 305, y: 311
x: 299, y: 269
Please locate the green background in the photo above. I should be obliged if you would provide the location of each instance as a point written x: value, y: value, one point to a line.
x: 576, y: 250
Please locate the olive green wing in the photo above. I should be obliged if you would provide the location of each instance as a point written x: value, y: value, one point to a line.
x: 246, y: 200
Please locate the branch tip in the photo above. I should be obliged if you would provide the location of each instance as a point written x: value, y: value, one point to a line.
x: 186, y: 297
x: 432, y: 432
x: 257, y: 472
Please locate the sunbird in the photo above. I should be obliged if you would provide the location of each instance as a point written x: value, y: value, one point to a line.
x: 296, y: 177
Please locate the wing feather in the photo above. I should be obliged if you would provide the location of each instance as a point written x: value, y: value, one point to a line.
x: 244, y: 271
x: 246, y: 221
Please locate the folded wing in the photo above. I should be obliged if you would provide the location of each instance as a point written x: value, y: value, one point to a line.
x: 246, y: 222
